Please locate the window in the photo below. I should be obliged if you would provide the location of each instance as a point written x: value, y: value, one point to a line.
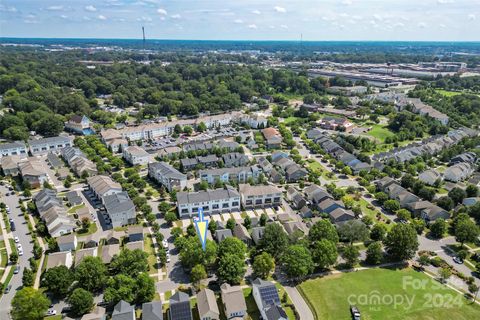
x: 225, y: 205
x: 258, y: 201
x: 268, y: 200
x: 235, y: 204
x: 248, y: 202
x: 215, y: 206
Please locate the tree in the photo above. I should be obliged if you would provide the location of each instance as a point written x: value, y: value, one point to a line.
x: 274, y: 240
x: 424, y: 260
x: 91, y: 274
x: 350, y: 254
x: 129, y: 262
x: 231, y: 268
x: 457, y: 195
x: 263, y: 265
x: 81, y: 301
x: 232, y: 246
x: 446, y: 203
x: 444, y: 273
x: 391, y: 205
x: 297, y: 261
x: 14, y: 257
x: 263, y: 219
x: 374, y: 253
x: 471, y: 190
x: 323, y: 229
x: 197, y: 274
x: 404, y: 215
x: 231, y: 224
x: 324, y: 253
x: 170, y: 217
x: 353, y: 230
x: 381, y: 197
x: 120, y: 287
x: 438, y: 228
x: 378, y: 232
x: 58, y: 280
x: 28, y: 278
x: 29, y: 304
x: 473, y: 289
x: 247, y: 222
x: 466, y: 231
x: 401, y: 242
x: 201, y: 127
x: 145, y: 288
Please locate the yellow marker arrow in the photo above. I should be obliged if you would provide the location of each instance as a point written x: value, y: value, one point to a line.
x: 201, y: 225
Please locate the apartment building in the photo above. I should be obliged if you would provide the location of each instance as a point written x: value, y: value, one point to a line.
x: 212, y: 201
x: 237, y: 174
x: 136, y: 155
x: 167, y: 176
x: 260, y: 196
x: 13, y: 149
x: 45, y: 145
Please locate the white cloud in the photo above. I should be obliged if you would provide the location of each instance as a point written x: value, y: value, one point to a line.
x: 472, y: 17
x: 252, y: 26
x: 144, y: 19
x: 90, y: 8
x: 55, y: 8
x: 30, y: 16
x: 175, y: 16
x: 378, y: 17
x: 102, y: 17
x: 441, y: 25
x: 347, y: 2
x: 162, y: 11
x: 86, y: 18
x: 238, y: 21
x: 284, y: 26
x: 445, y: 1
x: 64, y: 16
x: 422, y: 25
x: 256, y: 11
x: 280, y: 9
x: 399, y: 25
x: 7, y: 9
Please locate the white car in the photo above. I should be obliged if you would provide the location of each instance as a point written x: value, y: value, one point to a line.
x: 165, y: 244
x: 51, y: 312
x: 20, y: 252
x: 16, y: 240
x: 19, y: 246
x: 168, y: 259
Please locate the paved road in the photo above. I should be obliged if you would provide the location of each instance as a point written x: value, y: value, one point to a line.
x: 300, y: 305
x: 25, y: 240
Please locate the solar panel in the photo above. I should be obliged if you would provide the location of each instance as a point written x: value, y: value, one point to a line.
x: 269, y: 295
x: 180, y: 311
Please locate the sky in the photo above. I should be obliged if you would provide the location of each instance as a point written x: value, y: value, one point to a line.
x: 395, y: 20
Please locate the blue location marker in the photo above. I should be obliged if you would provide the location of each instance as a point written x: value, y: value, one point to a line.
x: 201, y: 225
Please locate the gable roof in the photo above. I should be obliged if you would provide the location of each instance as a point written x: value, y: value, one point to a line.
x: 206, y: 302
x: 152, y: 311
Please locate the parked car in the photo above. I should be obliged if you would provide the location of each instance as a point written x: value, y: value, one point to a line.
x: 16, y: 270
x: 355, y: 313
x: 16, y: 240
x: 12, y: 226
x: 51, y: 312
x: 458, y: 260
x: 7, y: 289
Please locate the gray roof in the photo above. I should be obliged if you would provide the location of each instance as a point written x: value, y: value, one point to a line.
x: 123, y: 311
x: 118, y: 202
x: 207, y: 195
x: 268, y: 292
x: 180, y: 307
x: 54, y: 160
x: 257, y: 234
x: 222, y: 234
x: 12, y: 145
x: 152, y: 311
x: 49, y: 140
x: 166, y: 170
x: 206, y: 302
x: 275, y: 312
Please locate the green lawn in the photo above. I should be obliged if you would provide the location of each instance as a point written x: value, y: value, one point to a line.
x: 447, y: 93
x: 92, y: 228
x: 331, y: 296
x: 152, y: 258
x: 380, y: 132
x: 290, y: 120
x: 75, y: 208
x: 252, y: 308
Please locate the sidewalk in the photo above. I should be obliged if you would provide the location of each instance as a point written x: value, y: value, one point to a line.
x: 36, y: 284
x: 6, y: 237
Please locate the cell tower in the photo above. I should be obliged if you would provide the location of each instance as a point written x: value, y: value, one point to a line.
x: 143, y: 31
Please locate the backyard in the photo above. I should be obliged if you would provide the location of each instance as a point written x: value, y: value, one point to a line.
x: 394, y: 294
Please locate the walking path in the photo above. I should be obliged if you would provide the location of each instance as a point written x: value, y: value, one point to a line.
x: 6, y: 237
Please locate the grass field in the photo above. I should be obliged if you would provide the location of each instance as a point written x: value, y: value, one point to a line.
x: 380, y: 132
x: 448, y: 93
x: 331, y: 296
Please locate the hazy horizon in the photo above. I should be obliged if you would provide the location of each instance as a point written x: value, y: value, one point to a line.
x: 248, y: 20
